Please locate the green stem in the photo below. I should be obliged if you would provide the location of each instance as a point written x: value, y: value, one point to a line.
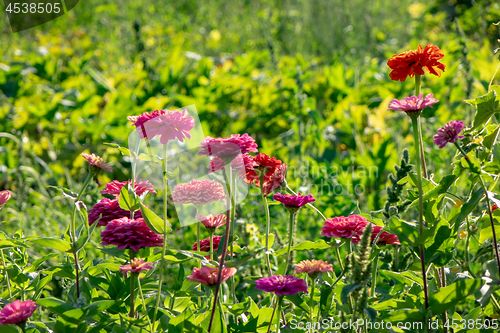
x: 416, y: 135
x: 214, y: 255
x: 420, y: 141
x: 198, y: 238
x: 268, y: 227
x: 6, y: 275
x: 164, y: 248
x: 374, y: 273
x: 133, y: 277
x: 337, y: 253
x: 233, y: 214
x: 311, y: 301
x: 144, y: 304
x: 278, y: 300
x: 73, y: 232
x: 396, y: 258
x: 290, y: 240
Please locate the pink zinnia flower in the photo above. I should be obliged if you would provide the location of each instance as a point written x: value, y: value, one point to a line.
x: 198, y: 192
x: 264, y: 166
x: 294, y: 201
x: 282, y: 285
x: 211, y: 222
x: 4, y: 197
x: 136, y: 266
x: 208, y: 276
x: 242, y: 163
x: 449, y: 133
x: 97, y: 162
x: 313, y: 267
x: 385, y: 238
x: 140, y: 186
x: 205, y: 245
x: 168, y: 125
x: 228, y: 147
x: 413, y: 103
x: 344, y: 227
x: 126, y: 233
x: 17, y: 312
x: 108, y: 210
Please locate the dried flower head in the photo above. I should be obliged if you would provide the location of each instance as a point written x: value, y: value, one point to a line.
x: 212, y: 222
x: 136, y: 266
x: 130, y: 234
x: 281, y: 285
x: 313, y: 267
x: 4, y: 197
x: 97, y: 162
x: 198, y: 192
x: 208, y: 275
x: 140, y: 187
x: 449, y: 133
x: 414, y: 62
x: 108, y: 210
x: 168, y: 125
x: 17, y: 312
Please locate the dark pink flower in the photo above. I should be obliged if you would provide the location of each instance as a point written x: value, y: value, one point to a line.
x: 413, y: 103
x: 108, y: 210
x: 17, y: 312
x: 4, y: 197
x: 198, y: 192
x: 344, y: 227
x: 449, y: 133
x: 282, y: 285
x: 384, y: 238
x: 140, y: 186
x: 205, y: 245
x: 212, y: 222
x: 294, y: 201
x: 130, y: 234
x: 228, y: 147
x: 242, y: 163
x: 208, y: 276
x: 97, y: 162
x: 168, y: 125
x: 136, y: 266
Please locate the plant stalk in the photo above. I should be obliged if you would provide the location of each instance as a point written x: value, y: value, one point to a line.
x: 290, y: 240
x: 6, y: 275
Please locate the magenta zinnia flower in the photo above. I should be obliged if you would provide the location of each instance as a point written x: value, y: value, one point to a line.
x: 168, y: 125
x: 205, y: 245
x: 208, y: 276
x: 242, y: 163
x: 385, y: 238
x: 4, y: 197
x: 225, y: 148
x: 108, y: 210
x: 282, y: 285
x: 97, y: 162
x: 126, y: 233
x: 295, y: 201
x: 198, y: 192
x: 413, y: 103
x: 344, y: 227
x: 17, y: 312
x: 211, y: 222
x: 136, y: 266
x: 449, y: 133
x: 140, y: 186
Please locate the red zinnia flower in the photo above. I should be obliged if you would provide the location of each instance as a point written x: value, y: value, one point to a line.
x: 212, y: 222
x: 17, y: 312
x: 242, y: 163
x: 344, y: 227
x: 384, y: 238
x: 228, y: 147
x: 494, y: 207
x: 415, y: 61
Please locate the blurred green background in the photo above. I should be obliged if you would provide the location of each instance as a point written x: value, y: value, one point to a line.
x: 307, y: 79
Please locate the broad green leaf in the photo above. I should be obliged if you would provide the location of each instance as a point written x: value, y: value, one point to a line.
x: 154, y: 222
x: 53, y: 243
x: 123, y: 150
x: 306, y: 245
x: 491, y: 137
x: 8, y: 243
x: 467, y: 208
x: 55, y: 305
x: 450, y: 296
x: 486, y: 107
x: 346, y: 290
x: 405, y: 315
x: 128, y: 200
x: 444, y: 185
x: 85, y: 236
x: 66, y: 192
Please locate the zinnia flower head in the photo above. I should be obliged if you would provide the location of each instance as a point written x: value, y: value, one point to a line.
x: 275, y: 181
x: 293, y: 202
x: 205, y: 245
x: 414, y: 62
x: 198, y: 192
x: 313, y: 267
x: 97, y: 162
x: 494, y: 207
x: 344, y: 227
x: 413, y: 104
x: 242, y: 163
x: 208, y: 275
x: 264, y: 166
x: 4, y: 197
x: 227, y: 148
x: 130, y: 234
x: 385, y: 238
x: 140, y: 186
x: 449, y: 133
x: 281, y: 285
x: 108, y: 210
x: 168, y: 125
x: 136, y: 266
x: 17, y: 312
x: 212, y: 222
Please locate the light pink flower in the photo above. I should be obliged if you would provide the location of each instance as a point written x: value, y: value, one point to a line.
x: 4, y: 197
x: 130, y: 234
x: 312, y: 267
x: 136, y: 266
x: 449, y: 133
x: 228, y: 147
x: 198, y: 192
x: 140, y: 186
x: 413, y: 103
x: 108, y: 210
x: 168, y: 125
x: 212, y: 222
x: 17, y: 312
x: 97, y: 162
x: 208, y: 276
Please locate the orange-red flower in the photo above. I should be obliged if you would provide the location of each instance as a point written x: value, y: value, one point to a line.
x: 415, y: 61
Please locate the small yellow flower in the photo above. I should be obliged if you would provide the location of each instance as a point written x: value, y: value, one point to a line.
x: 462, y: 234
x: 458, y: 203
x: 252, y: 229
x: 479, y: 139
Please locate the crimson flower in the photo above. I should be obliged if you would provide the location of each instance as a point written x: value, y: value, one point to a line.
x: 4, y: 197
x: 228, y: 148
x: 415, y: 62
x: 212, y: 222
x: 413, y: 104
x: 130, y: 234
x: 294, y: 201
x: 108, y: 210
x: 198, y: 192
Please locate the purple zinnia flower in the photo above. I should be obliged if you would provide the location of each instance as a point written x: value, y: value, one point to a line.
x: 413, y: 103
x: 126, y: 233
x: 449, y: 133
x: 282, y: 285
x: 108, y: 210
x: 295, y: 201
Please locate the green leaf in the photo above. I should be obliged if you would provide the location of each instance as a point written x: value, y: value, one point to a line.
x: 450, y: 296
x: 491, y: 137
x: 149, y: 158
x: 128, y: 199
x: 298, y: 301
x: 307, y: 245
x: 66, y: 192
x: 405, y: 316
x: 123, y: 150
x: 55, y: 305
x: 154, y: 222
x: 467, y: 208
x: 346, y: 290
x: 173, y: 174
x: 8, y: 243
x: 472, y: 164
x: 85, y: 236
x: 53, y: 243
x: 486, y: 107
x: 444, y: 185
